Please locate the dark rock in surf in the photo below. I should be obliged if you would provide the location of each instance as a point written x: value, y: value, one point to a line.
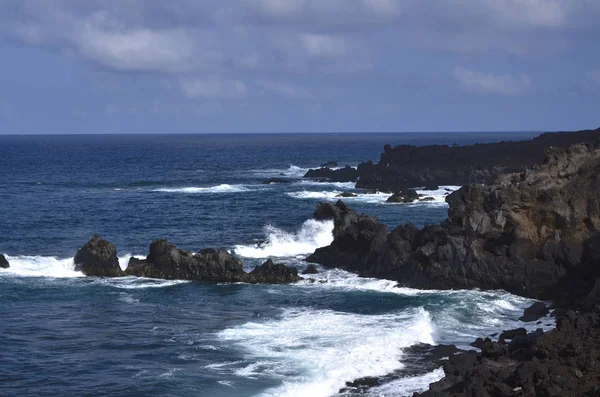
x: 272, y: 273
x: 98, y: 258
x: 405, y: 196
x: 346, y: 174
x: 4, y: 262
x: 534, y: 312
x: 276, y: 181
x: 431, y: 187
x: 533, y: 234
x: 427, y: 199
x: 310, y: 269
x: 166, y: 261
x: 347, y: 194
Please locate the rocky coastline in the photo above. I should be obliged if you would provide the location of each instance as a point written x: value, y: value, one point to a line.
x: 406, y: 166
x: 98, y: 258
x: 534, y: 233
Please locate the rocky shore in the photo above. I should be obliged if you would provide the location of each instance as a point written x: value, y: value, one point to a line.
x: 98, y: 258
x: 3, y: 262
x: 535, y: 233
x: 407, y: 166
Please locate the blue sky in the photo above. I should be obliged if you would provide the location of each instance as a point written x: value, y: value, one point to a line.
x: 189, y: 66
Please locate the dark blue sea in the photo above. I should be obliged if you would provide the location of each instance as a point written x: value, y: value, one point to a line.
x: 67, y: 335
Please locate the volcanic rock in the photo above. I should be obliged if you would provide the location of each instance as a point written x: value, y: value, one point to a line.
x: 431, y: 187
x: 406, y: 166
x: 532, y: 234
x: 347, y: 194
x: 166, y: 261
x: 346, y: 174
x: 271, y: 273
x: 310, y: 269
x: 404, y: 196
x: 534, y: 312
x: 3, y: 262
x: 98, y: 258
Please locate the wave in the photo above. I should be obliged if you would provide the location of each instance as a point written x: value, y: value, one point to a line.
x: 407, y: 386
x: 41, y: 266
x: 342, y: 185
x: 223, y: 188
x: 279, y: 243
x: 438, y: 196
x: 292, y: 171
x: 315, y: 352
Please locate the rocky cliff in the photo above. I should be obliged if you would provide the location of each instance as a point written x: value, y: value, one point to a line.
x: 407, y: 166
x: 530, y: 233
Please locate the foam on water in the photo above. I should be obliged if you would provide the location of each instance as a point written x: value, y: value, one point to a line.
x: 341, y: 185
x: 439, y: 196
x: 40, y: 266
x: 291, y: 172
x: 279, y: 243
x: 406, y: 386
x: 315, y: 352
x: 223, y: 188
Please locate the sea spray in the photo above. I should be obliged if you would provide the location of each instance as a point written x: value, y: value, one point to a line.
x: 279, y: 243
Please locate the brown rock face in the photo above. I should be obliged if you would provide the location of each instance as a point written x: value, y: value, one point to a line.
x: 529, y: 233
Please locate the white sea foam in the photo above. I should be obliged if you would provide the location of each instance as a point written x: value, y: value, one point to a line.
x: 224, y: 188
x: 41, y: 266
x: 316, y: 352
x: 406, y: 386
x: 341, y: 185
x: 439, y: 196
x: 291, y: 172
x: 279, y: 243
x: 131, y: 282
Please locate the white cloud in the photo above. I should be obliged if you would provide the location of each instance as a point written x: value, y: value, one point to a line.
x: 284, y: 89
x: 595, y: 75
x: 488, y: 83
x: 142, y: 49
x: 213, y: 87
x: 321, y: 45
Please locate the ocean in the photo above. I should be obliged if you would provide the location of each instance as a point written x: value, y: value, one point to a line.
x: 65, y: 334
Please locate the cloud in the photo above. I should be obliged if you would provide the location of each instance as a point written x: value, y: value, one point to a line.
x: 213, y: 87
x: 487, y: 83
x: 595, y: 75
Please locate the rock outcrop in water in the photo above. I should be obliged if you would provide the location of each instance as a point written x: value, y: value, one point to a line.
x: 3, y: 262
x: 166, y: 261
x: 407, y: 166
x: 98, y: 258
x: 325, y: 174
x: 534, y: 233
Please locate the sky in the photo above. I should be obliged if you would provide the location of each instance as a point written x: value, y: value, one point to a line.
x: 238, y: 66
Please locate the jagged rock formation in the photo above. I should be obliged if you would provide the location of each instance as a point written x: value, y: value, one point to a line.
x: 534, y: 233
x: 404, y: 196
x: 562, y: 362
x: 407, y: 166
x: 166, y: 261
x: 325, y: 174
x: 98, y: 258
x: 3, y: 262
